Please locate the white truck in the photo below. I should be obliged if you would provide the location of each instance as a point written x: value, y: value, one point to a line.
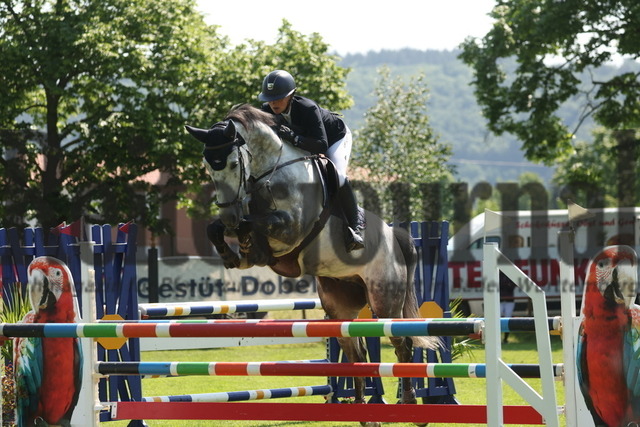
x: 530, y: 240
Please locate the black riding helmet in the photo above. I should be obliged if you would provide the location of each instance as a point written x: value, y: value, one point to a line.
x: 277, y: 85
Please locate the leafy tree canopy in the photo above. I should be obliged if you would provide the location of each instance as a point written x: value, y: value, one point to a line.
x: 398, y: 147
x: 602, y: 173
x: 534, y: 59
x: 95, y: 94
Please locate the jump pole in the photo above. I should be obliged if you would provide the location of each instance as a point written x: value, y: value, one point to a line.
x: 159, y: 310
x: 237, y: 396
x: 317, y: 369
x: 424, y: 327
x: 432, y: 413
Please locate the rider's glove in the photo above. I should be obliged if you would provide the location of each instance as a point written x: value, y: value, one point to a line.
x: 288, y: 135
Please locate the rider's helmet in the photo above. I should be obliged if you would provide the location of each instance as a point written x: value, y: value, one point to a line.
x: 277, y: 85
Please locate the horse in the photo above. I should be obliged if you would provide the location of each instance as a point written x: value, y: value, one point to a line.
x: 278, y: 201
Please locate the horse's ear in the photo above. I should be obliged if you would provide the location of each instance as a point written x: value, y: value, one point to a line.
x: 230, y: 130
x: 199, y: 134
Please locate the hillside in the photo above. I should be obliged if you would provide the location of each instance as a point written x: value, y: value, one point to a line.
x: 453, y: 112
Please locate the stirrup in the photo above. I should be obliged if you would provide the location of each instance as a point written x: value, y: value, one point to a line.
x: 354, y: 240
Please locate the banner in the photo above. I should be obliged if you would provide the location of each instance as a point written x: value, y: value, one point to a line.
x: 185, y: 279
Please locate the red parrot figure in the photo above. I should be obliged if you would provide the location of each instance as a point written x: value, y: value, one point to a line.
x: 48, y: 371
x: 608, y: 354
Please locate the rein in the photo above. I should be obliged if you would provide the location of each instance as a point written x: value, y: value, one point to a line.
x: 242, y: 184
x: 269, y: 173
x: 323, y: 217
x: 290, y: 162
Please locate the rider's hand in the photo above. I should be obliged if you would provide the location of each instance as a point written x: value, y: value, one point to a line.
x: 288, y: 135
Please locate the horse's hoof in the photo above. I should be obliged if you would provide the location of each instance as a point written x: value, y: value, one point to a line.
x: 231, y: 264
x: 244, y: 264
x: 231, y: 261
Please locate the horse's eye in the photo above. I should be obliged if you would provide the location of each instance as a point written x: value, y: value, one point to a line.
x: 234, y: 164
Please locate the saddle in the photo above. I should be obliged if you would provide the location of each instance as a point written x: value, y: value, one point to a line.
x: 328, y: 174
x: 330, y: 181
x: 287, y: 265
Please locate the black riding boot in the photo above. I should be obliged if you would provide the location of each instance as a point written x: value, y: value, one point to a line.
x: 353, y: 236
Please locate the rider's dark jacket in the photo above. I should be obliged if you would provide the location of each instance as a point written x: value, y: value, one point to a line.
x: 317, y: 128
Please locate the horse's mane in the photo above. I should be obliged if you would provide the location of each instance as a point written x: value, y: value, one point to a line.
x: 247, y: 115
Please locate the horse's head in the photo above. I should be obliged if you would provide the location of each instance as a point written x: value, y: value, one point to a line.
x: 226, y: 159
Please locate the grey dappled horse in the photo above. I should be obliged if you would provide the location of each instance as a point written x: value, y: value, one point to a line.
x: 273, y: 197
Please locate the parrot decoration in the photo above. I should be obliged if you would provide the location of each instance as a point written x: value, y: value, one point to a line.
x: 48, y: 371
x: 608, y: 351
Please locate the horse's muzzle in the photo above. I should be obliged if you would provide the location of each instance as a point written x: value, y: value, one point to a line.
x: 231, y: 216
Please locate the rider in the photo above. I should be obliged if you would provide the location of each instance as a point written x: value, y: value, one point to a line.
x: 312, y: 128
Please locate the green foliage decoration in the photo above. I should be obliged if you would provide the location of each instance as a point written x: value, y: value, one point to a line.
x: 15, y: 307
x: 13, y: 311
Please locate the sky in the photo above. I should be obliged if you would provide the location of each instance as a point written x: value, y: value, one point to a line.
x: 351, y: 26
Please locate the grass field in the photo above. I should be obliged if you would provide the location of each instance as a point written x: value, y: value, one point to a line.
x: 521, y: 349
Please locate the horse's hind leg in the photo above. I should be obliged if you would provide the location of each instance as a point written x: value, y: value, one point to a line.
x: 404, y: 353
x: 388, y: 302
x: 344, y: 300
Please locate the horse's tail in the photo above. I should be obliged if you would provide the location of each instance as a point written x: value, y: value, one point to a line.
x: 410, y: 308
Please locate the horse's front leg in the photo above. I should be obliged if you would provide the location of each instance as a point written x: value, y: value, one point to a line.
x: 215, y: 233
x: 254, y: 246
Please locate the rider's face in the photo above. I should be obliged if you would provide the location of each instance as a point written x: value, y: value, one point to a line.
x: 280, y: 105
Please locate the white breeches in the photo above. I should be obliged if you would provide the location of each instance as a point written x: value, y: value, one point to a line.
x: 339, y: 153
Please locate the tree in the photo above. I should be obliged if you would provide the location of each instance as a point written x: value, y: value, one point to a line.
x: 94, y: 95
x: 399, y: 149
x: 539, y: 54
x: 238, y: 79
x: 603, y: 173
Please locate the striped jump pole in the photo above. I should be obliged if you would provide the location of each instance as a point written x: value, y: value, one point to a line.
x: 225, y: 307
x: 321, y: 369
x: 424, y: 327
x: 375, y: 320
x: 507, y: 324
x: 527, y: 324
x: 279, y: 361
x: 238, y: 396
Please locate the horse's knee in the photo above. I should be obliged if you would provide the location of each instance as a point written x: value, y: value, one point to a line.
x: 215, y: 232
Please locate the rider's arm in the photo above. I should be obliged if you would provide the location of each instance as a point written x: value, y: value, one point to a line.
x: 310, y: 132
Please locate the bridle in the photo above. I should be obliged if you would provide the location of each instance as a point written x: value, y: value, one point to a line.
x: 237, y: 142
x: 251, y: 186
